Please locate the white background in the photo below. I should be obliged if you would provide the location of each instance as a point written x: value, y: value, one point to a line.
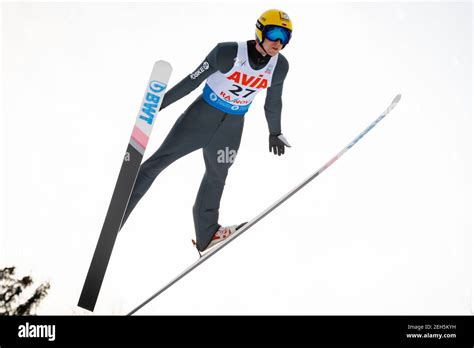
x: 385, y: 230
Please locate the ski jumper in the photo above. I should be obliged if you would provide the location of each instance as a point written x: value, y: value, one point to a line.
x: 234, y: 74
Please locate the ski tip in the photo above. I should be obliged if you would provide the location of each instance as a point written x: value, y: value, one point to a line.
x: 397, y: 99
x: 163, y: 64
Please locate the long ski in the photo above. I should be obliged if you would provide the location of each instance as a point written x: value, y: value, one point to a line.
x: 123, y: 188
x: 267, y: 211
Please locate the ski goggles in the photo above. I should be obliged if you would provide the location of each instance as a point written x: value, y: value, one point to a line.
x: 274, y: 33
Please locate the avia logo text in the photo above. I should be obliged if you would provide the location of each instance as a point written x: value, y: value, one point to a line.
x: 249, y: 81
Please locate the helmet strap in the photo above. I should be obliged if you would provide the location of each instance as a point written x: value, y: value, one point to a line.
x: 260, y: 26
x: 261, y: 46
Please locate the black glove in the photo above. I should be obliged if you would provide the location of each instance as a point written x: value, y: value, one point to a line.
x: 277, y: 143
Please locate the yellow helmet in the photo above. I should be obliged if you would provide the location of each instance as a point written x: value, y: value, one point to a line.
x: 274, y: 19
